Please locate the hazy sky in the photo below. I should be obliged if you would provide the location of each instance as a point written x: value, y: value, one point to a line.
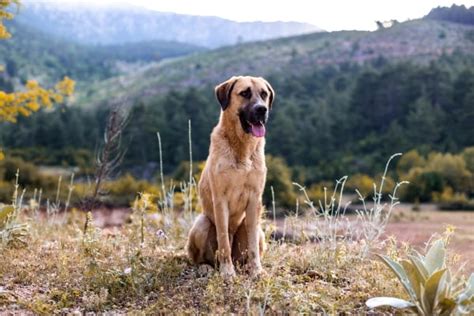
x: 327, y: 14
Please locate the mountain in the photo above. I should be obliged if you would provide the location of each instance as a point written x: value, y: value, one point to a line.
x: 418, y: 41
x: 55, y: 57
x: 456, y: 13
x: 119, y: 24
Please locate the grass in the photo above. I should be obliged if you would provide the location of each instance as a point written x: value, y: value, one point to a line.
x: 65, y: 264
x: 69, y: 265
x: 70, y: 268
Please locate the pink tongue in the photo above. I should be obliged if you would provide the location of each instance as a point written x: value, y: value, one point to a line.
x: 258, y: 130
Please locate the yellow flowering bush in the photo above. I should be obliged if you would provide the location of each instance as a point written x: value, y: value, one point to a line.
x: 5, y: 15
x: 34, y: 97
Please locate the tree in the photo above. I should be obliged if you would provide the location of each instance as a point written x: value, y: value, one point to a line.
x: 468, y: 156
x: 424, y: 123
x: 408, y: 161
x: 279, y: 177
x: 462, y: 112
x: 35, y: 97
x: 452, y: 168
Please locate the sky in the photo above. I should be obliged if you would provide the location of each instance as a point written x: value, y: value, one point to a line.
x: 330, y: 15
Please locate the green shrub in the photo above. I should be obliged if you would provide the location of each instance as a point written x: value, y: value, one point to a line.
x: 279, y: 177
x: 422, y: 185
x: 452, y: 169
x: 468, y: 156
x: 124, y: 190
x: 408, y: 161
x: 66, y: 157
x: 429, y: 178
x: 30, y: 178
x: 361, y: 182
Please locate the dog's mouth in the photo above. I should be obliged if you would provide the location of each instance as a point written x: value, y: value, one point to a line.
x: 257, y: 129
x: 252, y: 125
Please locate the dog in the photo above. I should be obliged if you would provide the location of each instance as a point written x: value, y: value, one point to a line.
x: 233, y: 179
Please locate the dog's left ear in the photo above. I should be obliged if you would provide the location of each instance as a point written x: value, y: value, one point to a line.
x: 223, y: 92
x: 271, y: 97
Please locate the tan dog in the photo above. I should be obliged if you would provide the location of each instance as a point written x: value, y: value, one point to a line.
x: 233, y: 179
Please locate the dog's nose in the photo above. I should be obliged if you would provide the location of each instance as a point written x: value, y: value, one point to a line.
x: 260, y: 110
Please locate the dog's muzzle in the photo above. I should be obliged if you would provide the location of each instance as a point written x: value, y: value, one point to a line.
x: 253, y: 119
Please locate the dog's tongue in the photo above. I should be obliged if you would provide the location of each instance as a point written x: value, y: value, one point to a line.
x: 258, y: 130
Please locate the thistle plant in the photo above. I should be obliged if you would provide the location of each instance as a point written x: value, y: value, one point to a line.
x: 332, y: 225
x: 13, y: 233
x: 428, y: 282
x: 374, y: 219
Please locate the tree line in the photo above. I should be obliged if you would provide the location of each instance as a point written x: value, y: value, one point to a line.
x: 336, y: 120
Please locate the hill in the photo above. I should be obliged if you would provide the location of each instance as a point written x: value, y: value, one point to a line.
x: 345, y: 102
x: 94, y: 24
x: 55, y: 58
x: 418, y: 41
x: 456, y: 13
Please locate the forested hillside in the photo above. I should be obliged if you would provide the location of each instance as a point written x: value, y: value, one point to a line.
x: 418, y: 41
x: 34, y: 54
x: 333, y: 119
x: 345, y: 102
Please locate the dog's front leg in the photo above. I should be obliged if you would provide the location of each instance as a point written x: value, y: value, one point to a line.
x: 252, y: 220
x: 224, y: 254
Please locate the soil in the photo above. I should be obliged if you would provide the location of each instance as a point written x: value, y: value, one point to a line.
x: 416, y: 228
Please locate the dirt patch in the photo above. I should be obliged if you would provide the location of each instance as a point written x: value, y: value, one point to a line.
x: 416, y: 228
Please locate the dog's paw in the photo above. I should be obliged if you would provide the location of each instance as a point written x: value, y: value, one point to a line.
x: 256, y: 271
x: 227, y: 271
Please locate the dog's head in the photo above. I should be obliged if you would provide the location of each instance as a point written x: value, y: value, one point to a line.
x: 250, y: 98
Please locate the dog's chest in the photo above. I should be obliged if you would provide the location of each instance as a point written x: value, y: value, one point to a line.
x: 245, y: 185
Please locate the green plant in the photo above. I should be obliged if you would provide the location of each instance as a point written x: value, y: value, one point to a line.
x: 429, y: 284
x: 333, y: 226
x: 12, y: 232
x: 279, y: 177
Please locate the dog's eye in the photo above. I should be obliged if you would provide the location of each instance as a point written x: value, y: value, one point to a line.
x: 264, y: 95
x: 246, y: 93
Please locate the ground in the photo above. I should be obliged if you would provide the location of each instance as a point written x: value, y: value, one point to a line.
x: 132, y: 265
x: 416, y: 228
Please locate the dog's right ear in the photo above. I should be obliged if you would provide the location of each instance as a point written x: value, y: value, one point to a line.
x: 223, y: 92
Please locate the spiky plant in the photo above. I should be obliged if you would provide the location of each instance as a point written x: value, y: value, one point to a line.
x: 429, y: 284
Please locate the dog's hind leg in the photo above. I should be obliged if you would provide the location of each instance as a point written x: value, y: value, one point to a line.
x: 202, y: 242
x: 240, y: 244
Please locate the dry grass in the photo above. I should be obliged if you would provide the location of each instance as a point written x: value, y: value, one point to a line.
x: 64, y: 269
x: 68, y: 265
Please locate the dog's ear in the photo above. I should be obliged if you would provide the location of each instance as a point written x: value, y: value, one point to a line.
x: 271, y: 97
x: 223, y: 92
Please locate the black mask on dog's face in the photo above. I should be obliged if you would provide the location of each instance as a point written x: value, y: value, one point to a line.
x: 252, y: 99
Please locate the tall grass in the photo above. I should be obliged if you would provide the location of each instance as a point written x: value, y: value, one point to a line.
x: 13, y: 232
x: 332, y: 225
x: 374, y: 219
